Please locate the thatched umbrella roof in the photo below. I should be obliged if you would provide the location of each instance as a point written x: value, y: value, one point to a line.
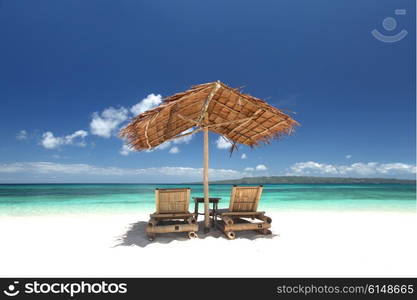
x: 238, y: 117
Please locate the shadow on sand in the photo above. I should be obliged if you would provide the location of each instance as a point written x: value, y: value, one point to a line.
x: 136, y: 235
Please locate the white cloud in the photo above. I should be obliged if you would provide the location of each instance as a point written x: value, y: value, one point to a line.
x: 49, y: 141
x: 50, y: 167
x: 182, y: 140
x: 107, y: 123
x: 145, y: 104
x: 186, y: 173
x: 12, y: 168
x: 356, y: 169
x: 185, y: 139
x: 222, y: 143
x: 257, y: 168
x: 69, y: 139
x: 22, y: 135
x: 174, y: 150
x: 397, y: 167
x: 261, y: 168
x: 349, y: 156
x: 126, y: 150
x: 162, y: 146
x: 244, y: 156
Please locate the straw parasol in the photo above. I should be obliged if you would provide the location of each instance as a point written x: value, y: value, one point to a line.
x: 237, y: 117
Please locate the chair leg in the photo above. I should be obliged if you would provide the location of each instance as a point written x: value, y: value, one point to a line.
x: 196, y: 210
x: 230, y: 235
x: 151, y: 224
x: 192, y: 235
x: 151, y: 236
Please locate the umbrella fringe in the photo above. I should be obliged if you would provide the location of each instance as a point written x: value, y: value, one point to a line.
x: 163, y: 123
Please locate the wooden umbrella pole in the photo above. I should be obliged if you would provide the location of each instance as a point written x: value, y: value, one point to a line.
x: 205, y: 180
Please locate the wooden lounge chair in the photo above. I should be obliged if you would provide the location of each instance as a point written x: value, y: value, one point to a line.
x: 243, y: 206
x: 172, y: 213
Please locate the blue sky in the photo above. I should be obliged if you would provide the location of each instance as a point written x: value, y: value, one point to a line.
x: 64, y: 64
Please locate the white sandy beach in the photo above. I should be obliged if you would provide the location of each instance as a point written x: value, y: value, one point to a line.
x: 303, y: 244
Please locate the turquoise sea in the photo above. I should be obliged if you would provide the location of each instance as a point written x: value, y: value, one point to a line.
x: 40, y: 199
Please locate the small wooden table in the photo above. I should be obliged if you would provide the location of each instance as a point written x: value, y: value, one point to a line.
x: 215, y: 201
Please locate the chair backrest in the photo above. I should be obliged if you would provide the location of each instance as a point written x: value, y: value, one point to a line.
x: 245, y: 198
x: 172, y: 200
